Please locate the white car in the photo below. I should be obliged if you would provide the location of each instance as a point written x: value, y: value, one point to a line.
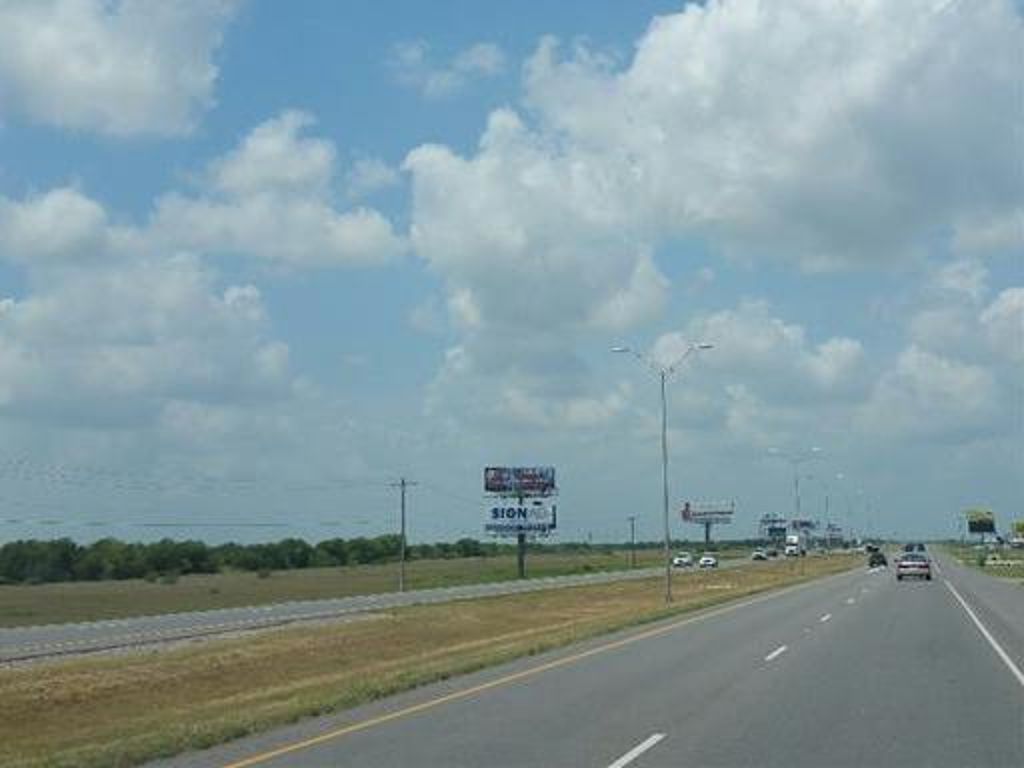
x: 682, y: 560
x: 708, y: 561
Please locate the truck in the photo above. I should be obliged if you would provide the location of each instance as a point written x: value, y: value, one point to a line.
x: 1017, y: 539
x: 796, y: 544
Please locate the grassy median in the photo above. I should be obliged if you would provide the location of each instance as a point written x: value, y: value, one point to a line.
x: 1010, y: 567
x: 22, y: 605
x: 122, y: 709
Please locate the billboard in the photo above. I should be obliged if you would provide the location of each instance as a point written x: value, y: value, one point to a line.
x: 980, y: 521
x: 504, y: 518
x: 520, y: 481
x: 715, y: 512
x: 803, y: 525
x: 773, y: 526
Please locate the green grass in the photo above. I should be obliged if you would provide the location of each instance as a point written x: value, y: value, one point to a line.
x: 966, y: 554
x: 123, y: 709
x: 22, y: 605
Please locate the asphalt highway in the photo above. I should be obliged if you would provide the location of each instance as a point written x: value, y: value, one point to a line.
x: 34, y: 642
x: 852, y: 670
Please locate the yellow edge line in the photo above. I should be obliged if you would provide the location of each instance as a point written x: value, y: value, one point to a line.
x: 510, y: 678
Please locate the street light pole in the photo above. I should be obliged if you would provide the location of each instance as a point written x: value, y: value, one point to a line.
x: 796, y: 487
x: 663, y: 372
x: 664, y: 490
x: 795, y: 460
x: 632, y: 541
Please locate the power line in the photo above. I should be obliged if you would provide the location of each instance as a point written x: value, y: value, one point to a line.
x: 59, y: 475
x: 432, y: 486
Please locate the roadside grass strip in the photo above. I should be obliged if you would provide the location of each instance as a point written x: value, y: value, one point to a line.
x: 138, y: 705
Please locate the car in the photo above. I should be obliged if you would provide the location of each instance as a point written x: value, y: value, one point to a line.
x: 708, y: 561
x: 682, y: 560
x: 877, y: 560
x: 913, y: 564
x: 791, y: 550
x: 772, y: 552
x: 758, y: 554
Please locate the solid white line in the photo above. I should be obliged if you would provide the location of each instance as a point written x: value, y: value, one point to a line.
x: 638, y: 750
x: 825, y: 618
x: 776, y: 653
x: 988, y: 635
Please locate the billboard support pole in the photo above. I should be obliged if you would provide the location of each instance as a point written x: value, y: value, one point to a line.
x: 707, y: 535
x: 521, y: 550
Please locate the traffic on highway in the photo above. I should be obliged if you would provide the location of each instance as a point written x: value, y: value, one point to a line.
x: 928, y: 673
x: 450, y: 384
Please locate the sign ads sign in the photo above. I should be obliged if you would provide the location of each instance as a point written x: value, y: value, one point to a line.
x: 505, y: 518
x: 714, y: 512
x: 981, y: 521
x: 520, y: 481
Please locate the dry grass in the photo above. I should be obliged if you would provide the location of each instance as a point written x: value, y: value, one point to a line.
x: 120, y: 710
x: 90, y: 601
x: 967, y: 555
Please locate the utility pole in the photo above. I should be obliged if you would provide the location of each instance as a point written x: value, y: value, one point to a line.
x: 402, y: 484
x: 632, y: 541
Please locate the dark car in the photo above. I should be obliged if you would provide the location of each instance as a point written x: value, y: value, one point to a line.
x: 877, y: 560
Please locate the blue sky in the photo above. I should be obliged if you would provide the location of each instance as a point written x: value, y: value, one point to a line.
x: 257, y: 260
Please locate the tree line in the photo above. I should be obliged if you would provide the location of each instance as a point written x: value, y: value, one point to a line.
x: 34, y: 561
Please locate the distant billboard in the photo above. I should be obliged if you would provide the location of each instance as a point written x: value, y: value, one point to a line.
x: 980, y: 521
x: 520, y: 481
x: 535, y: 516
x: 714, y: 512
x: 773, y: 526
x: 803, y: 525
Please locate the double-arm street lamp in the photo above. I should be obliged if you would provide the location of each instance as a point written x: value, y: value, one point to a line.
x: 663, y: 372
x: 796, y: 458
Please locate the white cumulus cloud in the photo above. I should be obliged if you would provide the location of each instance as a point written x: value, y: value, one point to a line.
x: 824, y: 133
x: 116, y: 67
x: 272, y: 198
x: 112, y: 345
x: 413, y: 66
